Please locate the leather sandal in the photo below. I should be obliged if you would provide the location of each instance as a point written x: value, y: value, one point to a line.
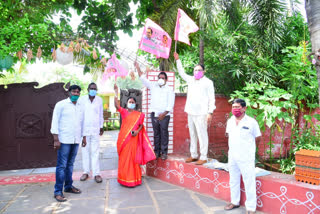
x: 189, y: 160
x: 200, y: 162
x: 84, y: 177
x: 164, y: 156
x: 60, y: 198
x: 98, y: 178
x: 73, y: 190
x: 231, y: 206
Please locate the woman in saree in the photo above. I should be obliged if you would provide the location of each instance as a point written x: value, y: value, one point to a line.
x: 133, y: 145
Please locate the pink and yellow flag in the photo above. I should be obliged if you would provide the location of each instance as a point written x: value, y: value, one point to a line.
x: 184, y: 26
x: 155, y: 40
x: 114, y: 68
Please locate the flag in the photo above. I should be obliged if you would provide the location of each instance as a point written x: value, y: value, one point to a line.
x: 114, y: 68
x: 184, y: 26
x: 155, y: 40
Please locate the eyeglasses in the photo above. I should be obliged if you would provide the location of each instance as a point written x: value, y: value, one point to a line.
x: 197, y: 70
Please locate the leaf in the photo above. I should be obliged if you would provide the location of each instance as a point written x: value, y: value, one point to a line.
x: 317, y: 116
x: 307, y: 117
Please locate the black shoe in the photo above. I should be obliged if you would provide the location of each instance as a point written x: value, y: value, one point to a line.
x: 158, y: 156
x: 164, y: 156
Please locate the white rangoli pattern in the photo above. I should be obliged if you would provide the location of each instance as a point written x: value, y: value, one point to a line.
x: 283, y: 197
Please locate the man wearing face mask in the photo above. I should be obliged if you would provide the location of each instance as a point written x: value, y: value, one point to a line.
x: 162, y: 102
x: 66, y: 128
x: 92, y: 129
x: 244, y: 133
x: 199, y: 107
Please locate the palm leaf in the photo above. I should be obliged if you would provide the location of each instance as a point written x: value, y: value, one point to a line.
x: 268, y: 17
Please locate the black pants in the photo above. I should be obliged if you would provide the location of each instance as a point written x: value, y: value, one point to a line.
x: 161, y: 134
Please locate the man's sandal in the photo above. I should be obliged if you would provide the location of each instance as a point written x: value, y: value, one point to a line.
x: 73, y: 190
x: 98, y: 178
x: 84, y: 177
x: 60, y: 198
x: 231, y: 206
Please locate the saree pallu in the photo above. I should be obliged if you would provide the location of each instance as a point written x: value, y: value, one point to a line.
x: 132, y: 151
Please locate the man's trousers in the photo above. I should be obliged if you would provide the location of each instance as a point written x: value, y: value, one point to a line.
x: 198, y: 130
x: 161, y: 134
x: 91, y: 151
x: 246, y: 168
x: 66, y: 155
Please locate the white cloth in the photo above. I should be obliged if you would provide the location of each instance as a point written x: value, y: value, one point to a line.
x: 162, y: 98
x: 67, y: 122
x: 93, y: 115
x: 241, y: 158
x: 198, y: 129
x: 91, y: 150
x: 242, y: 138
x: 247, y: 170
x: 201, y: 96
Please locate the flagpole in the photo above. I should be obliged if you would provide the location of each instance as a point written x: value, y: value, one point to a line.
x: 135, y: 70
x: 175, y: 46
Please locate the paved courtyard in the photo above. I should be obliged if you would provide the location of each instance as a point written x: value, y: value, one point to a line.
x: 153, y: 196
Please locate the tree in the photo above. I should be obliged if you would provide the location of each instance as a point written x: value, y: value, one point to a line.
x: 237, y: 51
x: 208, y: 15
x: 27, y: 25
x: 102, y: 20
x: 313, y: 15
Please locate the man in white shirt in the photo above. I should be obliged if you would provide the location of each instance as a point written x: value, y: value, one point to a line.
x: 244, y: 133
x: 92, y: 129
x: 162, y: 102
x: 199, y: 107
x: 66, y: 128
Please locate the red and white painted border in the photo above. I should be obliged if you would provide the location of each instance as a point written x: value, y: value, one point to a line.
x: 276, y: 193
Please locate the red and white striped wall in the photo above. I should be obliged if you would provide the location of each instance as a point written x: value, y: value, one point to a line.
x: 153, y: 76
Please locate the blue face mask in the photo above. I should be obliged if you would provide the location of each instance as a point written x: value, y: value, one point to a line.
x: 92, y: 93
x: 131, y: 105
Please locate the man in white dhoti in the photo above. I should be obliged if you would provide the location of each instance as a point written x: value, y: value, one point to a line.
x: 199, y: 106
x: 93, y: 128
x: 244, y: 133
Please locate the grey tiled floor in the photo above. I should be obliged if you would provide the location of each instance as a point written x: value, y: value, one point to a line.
x: 152, y: 197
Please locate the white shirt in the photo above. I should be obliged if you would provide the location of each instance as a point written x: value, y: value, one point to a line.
x: 242, y: 138
x: 200, y: 97
x: 67, y: 121
x: 93, y: 115
x: 162, y: 98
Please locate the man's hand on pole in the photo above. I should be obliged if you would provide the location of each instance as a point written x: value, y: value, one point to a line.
x: 176, y: 55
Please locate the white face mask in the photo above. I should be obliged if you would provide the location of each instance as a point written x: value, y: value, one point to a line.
x: 161, y: 82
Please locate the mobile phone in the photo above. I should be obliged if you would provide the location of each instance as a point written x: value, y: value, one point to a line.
x: 132, y: 132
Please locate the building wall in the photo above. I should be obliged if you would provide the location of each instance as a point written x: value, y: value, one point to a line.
x: 218, y: 142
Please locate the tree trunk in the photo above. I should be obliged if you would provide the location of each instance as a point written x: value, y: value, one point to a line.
x: 291, y: 7
x: 201, y: 44
x: 164, y: 65
x: 201, y: 51
x: 313, y: 16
